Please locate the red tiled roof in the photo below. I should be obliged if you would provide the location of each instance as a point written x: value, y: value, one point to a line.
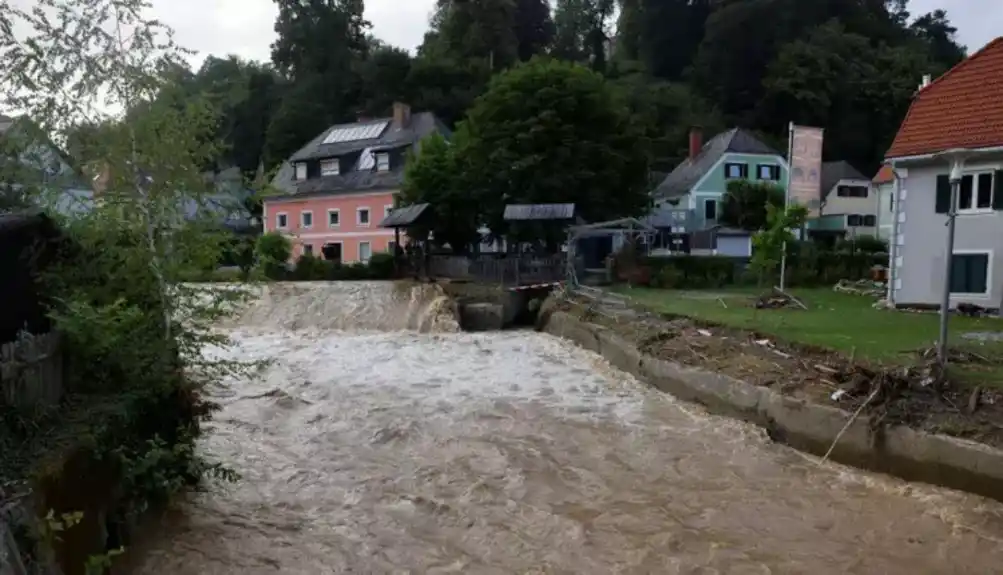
x: 961, y: 109
x: 884, y: 176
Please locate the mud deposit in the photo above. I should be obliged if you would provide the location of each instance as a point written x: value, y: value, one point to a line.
x: 369, y: 451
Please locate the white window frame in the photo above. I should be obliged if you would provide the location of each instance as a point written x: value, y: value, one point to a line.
x: 740, y: 170
x: 387, y: 209
x: 308, y: 248
x: 975, y: 173
x: 358, y: 216
x: 324, y: 164
x: 989, y: 273
x: 279, y: 217
x: 370, y: 244
x: 759, y: 174
x: 333, y: 211
x: 297, y: 167
x: 303, y: 216
x: 382, y: 162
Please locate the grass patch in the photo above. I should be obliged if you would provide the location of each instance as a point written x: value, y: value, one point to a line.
x: 844, y: 323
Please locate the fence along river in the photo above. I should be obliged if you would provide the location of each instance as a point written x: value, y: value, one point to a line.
x: 382, y: 440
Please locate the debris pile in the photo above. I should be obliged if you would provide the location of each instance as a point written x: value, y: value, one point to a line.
x: 867, y: 288
x: 778, y: 300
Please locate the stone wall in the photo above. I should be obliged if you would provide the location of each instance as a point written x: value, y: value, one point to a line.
x: 900, y: 451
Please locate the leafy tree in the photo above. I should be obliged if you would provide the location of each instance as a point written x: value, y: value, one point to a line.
x: 746, y: 204
x: 383, y: 77
x: 134, y: 331
x: 939, y: 36
x: 553, y: 132
x: 581, y: 31
x: 434, y: 176
x: 273, y: 252
x: 769, y: 244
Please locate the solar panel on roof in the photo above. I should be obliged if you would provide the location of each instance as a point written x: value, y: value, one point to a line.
x: 355, y: 133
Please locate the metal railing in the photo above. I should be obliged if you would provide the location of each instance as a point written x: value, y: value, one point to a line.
x: 507, y: 270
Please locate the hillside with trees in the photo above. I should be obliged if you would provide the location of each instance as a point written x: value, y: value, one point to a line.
x: 850, y: 66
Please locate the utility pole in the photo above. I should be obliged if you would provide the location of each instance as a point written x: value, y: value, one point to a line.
x: 957, y: 161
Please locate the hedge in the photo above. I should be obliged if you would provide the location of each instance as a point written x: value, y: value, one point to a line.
x: 312, y: 268
x: 807, y: 268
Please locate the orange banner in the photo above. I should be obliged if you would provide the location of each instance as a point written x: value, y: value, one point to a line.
x: 806, y: 168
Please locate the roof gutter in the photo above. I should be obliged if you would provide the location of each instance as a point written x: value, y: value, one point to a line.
x: 937, y: 155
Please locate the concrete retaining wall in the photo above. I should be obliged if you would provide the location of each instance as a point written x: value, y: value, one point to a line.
x: 900, y: 451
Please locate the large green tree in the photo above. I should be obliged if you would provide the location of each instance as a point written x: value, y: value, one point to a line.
x: 554, y: 132
x: 436, y: 176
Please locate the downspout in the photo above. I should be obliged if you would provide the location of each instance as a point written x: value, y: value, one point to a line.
x: 893, y: 242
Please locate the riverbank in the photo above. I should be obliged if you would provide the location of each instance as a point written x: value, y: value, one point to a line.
x: 802, y: 396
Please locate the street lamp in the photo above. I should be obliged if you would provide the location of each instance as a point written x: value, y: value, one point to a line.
x: 956, y: 158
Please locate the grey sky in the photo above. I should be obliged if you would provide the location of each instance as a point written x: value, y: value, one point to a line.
x: 244, y: 27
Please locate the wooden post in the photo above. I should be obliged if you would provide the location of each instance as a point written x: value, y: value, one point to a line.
x: 397, y: 251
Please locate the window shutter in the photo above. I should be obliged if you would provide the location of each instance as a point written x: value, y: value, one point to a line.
x: 998, y: 191
x: 943, y: 202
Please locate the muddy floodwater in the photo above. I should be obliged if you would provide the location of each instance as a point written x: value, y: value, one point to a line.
x: 380, y: 450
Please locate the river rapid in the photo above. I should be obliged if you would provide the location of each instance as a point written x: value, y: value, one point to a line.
x: 381, y: 440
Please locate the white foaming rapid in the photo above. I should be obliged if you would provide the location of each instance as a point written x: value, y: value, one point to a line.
x: 354, y: 306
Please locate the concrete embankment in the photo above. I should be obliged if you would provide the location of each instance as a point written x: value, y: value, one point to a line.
x: 898, y: 450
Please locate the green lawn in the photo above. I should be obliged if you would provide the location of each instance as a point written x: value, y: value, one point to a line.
x: 845, y: 323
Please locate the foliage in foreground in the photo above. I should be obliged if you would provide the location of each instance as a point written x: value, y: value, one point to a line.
x: 744, y: 205
x: 135, y: 336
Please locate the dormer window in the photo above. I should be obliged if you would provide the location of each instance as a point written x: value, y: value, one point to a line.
x: 382, y: 162
x: 330, y: 167
x: 301, y: 171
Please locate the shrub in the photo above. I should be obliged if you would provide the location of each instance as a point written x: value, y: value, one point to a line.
x: 273, y: 252
x: 381, y: 266
x: 694, y: 272
x: 863, y: 244
x: 311, y: 268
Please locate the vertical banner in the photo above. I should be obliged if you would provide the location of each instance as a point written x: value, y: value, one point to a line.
x: 805, y: 175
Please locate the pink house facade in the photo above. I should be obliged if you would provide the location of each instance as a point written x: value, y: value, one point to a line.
x: 336, y: 227
x: 337, y: 189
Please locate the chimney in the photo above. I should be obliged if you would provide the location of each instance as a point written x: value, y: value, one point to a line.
x: 926, y: 81
x: 402, y: 115
x: 696, y: 141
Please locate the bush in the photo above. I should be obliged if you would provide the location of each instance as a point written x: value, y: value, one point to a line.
x: 694, y: 272
x: 381, y: 266
x: 311, y: 268
x: 862, y: 244
x: 273, y: 252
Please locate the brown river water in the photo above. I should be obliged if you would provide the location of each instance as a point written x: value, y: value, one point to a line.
x: 368, y: 448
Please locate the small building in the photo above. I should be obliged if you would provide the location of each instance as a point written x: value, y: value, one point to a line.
x: 847, y: 204
x: 690, y: 196
x: 337, y: 188
x: 883, y: 188
x: 961, y: 110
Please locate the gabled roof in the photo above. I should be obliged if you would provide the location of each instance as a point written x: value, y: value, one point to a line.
x: 886, y: 175
x: 405, y: 216
x: 834, y: 172
x: 961, y: 109
x: 385, y: 136
x: 689, y: 172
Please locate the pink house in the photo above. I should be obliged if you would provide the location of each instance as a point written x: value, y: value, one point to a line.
x: 339, y: 187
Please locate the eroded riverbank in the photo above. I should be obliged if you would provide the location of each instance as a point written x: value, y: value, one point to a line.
x: 383, y: 452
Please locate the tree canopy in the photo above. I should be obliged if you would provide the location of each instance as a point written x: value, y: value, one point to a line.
x: 665, y: 65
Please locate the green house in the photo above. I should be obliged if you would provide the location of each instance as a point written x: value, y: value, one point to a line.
x: 697, y: 185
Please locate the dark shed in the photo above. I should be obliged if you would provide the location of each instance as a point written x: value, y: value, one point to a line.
x: 28, y: 243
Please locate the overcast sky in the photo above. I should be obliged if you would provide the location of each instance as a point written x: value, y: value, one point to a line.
x: 244, y: 27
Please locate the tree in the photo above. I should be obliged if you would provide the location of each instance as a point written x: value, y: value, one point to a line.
x: 746, y: 204
x: 434, y: 176
x: 581, y: 31
x: 553, y: 132
x: 936, y: 32
x: 771, y: 242
x: 133, y: 329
